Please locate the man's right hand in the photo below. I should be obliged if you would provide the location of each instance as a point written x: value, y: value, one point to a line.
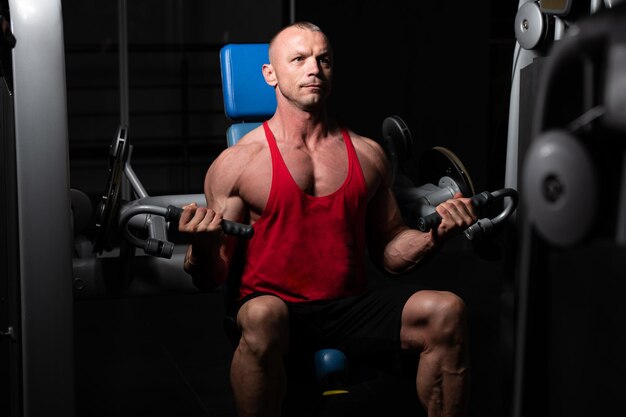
x: 203, y: 228
x: 200, y: 223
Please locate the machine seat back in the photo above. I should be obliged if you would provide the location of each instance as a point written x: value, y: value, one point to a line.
x: 248, y: 99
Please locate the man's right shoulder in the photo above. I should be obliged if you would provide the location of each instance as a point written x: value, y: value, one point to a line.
x: 240, y: 165
x: 247, y: 148
x: 235, y: 159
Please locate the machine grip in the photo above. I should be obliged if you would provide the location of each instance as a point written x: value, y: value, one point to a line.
x: 426, y: 223
x: 237, y: 229
x: 432, y: 220
x: 229, y: 227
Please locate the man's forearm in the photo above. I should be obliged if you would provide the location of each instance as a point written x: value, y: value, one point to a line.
x: 207, y: 269
x: 407, y: 249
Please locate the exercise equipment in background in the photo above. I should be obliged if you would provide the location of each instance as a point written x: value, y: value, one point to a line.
x: 573, y: 226
x: 152, y: 215
x: 572, y: 167
x: 443, y: 175
x: 109, y: 265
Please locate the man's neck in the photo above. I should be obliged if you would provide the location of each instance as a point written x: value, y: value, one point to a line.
x: 299, y: 126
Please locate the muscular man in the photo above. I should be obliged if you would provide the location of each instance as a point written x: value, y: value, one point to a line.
x: 317, y: 196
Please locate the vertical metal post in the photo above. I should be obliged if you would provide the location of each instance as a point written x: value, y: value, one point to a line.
x: 521, y: 325
x: 122, y: 49
x: 620, y: 237
x: 10, y: 322
x: 521, y: 58
x: 292, y: 11
x: 122, y: 23
x: 43, y: 208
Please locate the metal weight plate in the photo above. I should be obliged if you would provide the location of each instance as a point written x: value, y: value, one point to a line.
x: 559, y: 188
x: 108, y: 207
x: 397, y: 132
x: 397, y: 142
x: 438, y: 163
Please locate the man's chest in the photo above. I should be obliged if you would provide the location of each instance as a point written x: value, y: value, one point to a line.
x: 315, y: 174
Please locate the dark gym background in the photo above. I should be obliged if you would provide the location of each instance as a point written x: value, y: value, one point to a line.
x: 444, y: 67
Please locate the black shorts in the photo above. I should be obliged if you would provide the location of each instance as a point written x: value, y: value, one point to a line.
x: 365, y: 327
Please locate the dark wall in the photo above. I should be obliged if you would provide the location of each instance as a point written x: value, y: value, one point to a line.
x: 443, y: 67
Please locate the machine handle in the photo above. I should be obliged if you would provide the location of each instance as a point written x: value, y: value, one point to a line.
x: 173, y: 214
x: 160, y: 247
x: 482, y: 226
x: 432, y: 220
x: 428, y: 222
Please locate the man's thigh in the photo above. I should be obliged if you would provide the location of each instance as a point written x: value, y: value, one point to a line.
x: 365, y: 326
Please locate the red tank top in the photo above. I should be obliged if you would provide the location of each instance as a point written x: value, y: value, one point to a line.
x: 308, y: 248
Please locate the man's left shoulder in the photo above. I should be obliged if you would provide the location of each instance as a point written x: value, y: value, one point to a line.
x: 366, y: 147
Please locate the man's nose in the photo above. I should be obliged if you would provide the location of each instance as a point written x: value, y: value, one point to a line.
x: 313, y: 66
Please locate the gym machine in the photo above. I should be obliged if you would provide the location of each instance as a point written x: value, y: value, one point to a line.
x: 36, y: 211
x: 443, y: 175
x: 570, y: 162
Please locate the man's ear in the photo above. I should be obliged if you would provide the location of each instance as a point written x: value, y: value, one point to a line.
x: 269, y: 75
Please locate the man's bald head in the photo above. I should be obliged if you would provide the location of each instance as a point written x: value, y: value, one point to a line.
x: 297, y: 25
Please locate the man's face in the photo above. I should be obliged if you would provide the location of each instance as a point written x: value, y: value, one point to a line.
x: 300, y: 67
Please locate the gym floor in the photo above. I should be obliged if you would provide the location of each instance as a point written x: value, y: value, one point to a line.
x: 168, y: 355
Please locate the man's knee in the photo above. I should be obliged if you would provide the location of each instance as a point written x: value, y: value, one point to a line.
x: 264, y: 324
x: 450, y: 317
x: 437, y: 317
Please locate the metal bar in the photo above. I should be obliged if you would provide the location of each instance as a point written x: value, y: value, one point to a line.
x: 292, y: 11
x: 620, y: 237
x: 122, y: 22
x: 174, y: 48
x: 45, y: 241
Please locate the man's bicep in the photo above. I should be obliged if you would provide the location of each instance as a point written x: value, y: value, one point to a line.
x: 221, y: 190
